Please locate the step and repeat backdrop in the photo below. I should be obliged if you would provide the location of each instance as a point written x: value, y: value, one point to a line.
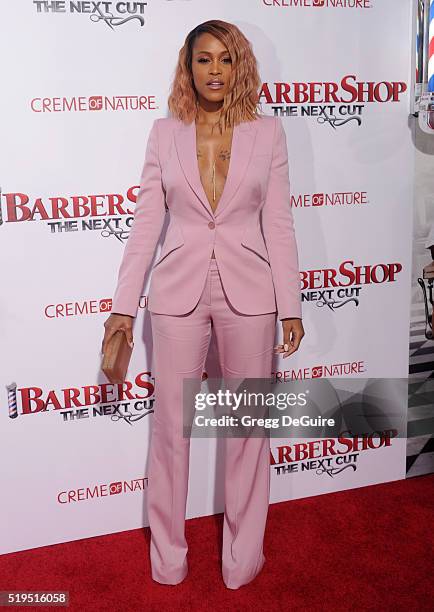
x: 82, y: 83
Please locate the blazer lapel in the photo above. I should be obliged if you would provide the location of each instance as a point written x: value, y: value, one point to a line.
x: 243, y: 139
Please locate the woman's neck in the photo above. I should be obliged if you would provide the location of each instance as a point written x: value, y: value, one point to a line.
x: 205, y: 117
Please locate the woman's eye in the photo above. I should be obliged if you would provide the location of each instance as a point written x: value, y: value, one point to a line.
x: 203, y: 60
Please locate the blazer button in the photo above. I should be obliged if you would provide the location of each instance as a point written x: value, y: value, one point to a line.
x: 211, y: 225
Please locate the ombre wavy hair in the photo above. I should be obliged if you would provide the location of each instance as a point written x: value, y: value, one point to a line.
x: 242, y: 100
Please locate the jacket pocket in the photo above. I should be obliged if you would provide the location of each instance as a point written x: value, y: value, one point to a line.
x: 173, y: 240
x: 253, y: 240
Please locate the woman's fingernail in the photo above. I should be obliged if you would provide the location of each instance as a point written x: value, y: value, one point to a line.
x: 285, y: 346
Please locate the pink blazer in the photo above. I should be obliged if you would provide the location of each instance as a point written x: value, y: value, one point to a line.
x: 259, y: 269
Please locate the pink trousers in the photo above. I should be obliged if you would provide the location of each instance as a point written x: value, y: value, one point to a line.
x: 180, y: 346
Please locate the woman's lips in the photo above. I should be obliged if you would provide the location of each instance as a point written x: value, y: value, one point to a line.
x: 215, y: 85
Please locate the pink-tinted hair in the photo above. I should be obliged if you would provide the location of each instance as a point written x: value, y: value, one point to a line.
x: 241, y: 101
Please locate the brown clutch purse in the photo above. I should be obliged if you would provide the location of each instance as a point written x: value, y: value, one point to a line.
x: 116, y: 358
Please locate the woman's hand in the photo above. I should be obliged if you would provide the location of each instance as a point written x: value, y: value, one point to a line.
x: 293, y: 332
x: 118, y: 322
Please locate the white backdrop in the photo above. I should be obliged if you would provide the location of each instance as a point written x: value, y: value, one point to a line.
x: 79, y: 95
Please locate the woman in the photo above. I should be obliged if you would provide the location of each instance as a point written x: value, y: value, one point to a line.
x: 218, y: 167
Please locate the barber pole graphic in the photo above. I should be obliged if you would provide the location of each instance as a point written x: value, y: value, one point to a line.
x: 431, y: 48
x: 419, y: 42
x: 424, y: 86
x: 12, y: 400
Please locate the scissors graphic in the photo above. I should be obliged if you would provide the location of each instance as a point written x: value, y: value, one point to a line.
x: 333, y: 304
x: 332, y: 471
x: 119, y: 416
x: 128, y: 416
x: 120, y: 234
x: 111, y: 20
x: 335, y: 121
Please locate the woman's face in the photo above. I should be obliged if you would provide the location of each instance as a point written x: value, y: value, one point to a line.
x: 211, y: 68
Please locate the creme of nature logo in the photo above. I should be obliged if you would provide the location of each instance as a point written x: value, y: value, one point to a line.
x: 82, y: 104
x: 332, y: 4
x: 99, y: 490
x: 110, y: 14
x: 335, y: 199
x: 329, y: 370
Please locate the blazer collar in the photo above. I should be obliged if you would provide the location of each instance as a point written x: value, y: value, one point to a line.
x: 243, y: 138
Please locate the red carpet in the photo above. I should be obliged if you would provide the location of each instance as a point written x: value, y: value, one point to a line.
x: 365, y: 549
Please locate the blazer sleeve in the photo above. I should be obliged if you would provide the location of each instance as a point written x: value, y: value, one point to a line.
x: 145, y: 231
x: 279, y: 233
